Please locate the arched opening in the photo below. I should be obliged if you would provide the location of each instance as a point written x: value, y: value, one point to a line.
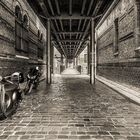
x: 25, y: 20
x: 41, y: 37
x: 18, y: 13
x: 38, y: 34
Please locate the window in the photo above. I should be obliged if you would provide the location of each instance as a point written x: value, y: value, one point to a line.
x: 18, y: 26
x: 40, y: 52
x: 116, y: 36
x: 40, y: 45
x: 25, y: 21
x: 38, y: 34
x: 25, y: 42
x: 18, y: 13
x: 21, y: 31
x: 85, y: 58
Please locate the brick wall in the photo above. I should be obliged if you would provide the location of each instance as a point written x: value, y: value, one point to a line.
x: 12, y: 60
x: 122, y: 66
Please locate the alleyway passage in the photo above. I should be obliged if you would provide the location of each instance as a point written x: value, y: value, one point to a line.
x: 70, y: 71
x: 71, y: 108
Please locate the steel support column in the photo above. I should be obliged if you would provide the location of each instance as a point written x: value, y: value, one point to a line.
x: 88, y: 59
x: 61, y: 64
x: 77, y: 61
x: 48, y: 52
x: 62, y: 61
x: 74, y: 62
x: 66, y: 63
x: 52, y: 59
x: 92, y: 45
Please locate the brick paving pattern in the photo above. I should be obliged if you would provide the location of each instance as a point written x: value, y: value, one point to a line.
x: 72, y: 109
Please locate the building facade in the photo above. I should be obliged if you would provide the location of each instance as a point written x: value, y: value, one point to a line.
x: 22, y: 37
x: 118, y: 43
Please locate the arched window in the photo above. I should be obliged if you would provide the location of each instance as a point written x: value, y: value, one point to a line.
x: 38, y: 34
x: 25, y: 20
x: 41, y: 37
x: 21, y: 32
x: 18, y: 13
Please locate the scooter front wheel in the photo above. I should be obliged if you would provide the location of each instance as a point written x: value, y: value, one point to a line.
x: 8, y: 103
x: 30, y: 88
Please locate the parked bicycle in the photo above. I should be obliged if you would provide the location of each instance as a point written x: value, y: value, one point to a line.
x: 10, y: 94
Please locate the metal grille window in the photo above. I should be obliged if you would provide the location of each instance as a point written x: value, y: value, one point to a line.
x: 116, y: 36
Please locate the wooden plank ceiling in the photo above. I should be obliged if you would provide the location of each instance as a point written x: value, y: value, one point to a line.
x: 70, y: 21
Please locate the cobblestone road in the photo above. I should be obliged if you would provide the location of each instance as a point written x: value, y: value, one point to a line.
x: 72, y: 109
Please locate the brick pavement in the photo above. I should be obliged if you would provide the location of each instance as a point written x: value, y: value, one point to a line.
x: 73, y: 109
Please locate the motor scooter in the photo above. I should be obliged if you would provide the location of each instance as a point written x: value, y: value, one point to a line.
x: 32, y: 81
x: 10, y: 94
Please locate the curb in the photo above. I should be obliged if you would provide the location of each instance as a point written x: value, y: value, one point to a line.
x: 132, y: 95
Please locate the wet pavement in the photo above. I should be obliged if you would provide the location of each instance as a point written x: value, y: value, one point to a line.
x: 70, y: 71
x: 72, y: 109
